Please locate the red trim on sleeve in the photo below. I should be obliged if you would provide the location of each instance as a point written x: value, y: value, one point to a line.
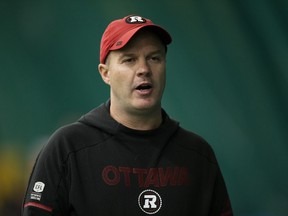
x: 38, y: 205
x: 228, y: 211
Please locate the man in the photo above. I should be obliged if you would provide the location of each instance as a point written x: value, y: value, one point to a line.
x: 127, y: 157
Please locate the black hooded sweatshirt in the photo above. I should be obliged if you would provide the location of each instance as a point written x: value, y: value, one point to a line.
x: 97, y: 166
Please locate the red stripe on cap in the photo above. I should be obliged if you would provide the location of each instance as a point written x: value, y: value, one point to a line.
x: 38, y: 205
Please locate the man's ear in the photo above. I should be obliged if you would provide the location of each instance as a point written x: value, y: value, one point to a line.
x: 104, y: 72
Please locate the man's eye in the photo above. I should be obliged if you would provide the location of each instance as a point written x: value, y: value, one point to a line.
x: 128, y: 60
x: 155, y: 58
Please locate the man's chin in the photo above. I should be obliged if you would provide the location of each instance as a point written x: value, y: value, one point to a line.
x: 146, y: 105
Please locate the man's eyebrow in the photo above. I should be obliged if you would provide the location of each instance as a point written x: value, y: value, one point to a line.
x: 159, y: 51
x: 125, y: 55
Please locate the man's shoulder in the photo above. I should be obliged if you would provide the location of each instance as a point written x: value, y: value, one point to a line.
x: 193, y: 142
x: 74, y: 137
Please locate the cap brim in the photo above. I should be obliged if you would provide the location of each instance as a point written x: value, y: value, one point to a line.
x: 124, y: 39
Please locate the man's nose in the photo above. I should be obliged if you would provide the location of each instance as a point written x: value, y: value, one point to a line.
x: 143, y: 68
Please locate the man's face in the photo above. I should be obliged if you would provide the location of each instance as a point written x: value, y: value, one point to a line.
x: 137, y: 73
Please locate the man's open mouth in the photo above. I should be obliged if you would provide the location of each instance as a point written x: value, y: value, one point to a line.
x: 144, y: 87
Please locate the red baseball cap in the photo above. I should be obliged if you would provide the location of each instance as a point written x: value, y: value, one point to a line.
x: 119, y: 32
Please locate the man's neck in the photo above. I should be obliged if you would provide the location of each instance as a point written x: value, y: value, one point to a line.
x: 140, y: 120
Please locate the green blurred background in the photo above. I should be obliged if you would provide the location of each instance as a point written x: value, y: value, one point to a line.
x: 227, y: 81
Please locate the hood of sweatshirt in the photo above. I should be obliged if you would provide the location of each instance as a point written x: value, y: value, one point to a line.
x: 147, y: 146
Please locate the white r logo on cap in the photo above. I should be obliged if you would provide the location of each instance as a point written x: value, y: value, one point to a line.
x: 135, y: 19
